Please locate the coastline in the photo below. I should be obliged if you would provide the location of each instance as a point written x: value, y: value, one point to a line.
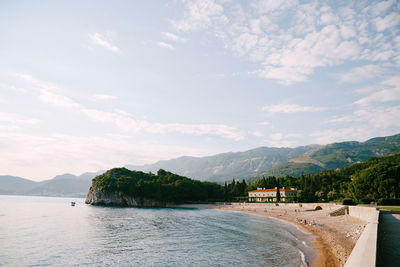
x: 333, y: 237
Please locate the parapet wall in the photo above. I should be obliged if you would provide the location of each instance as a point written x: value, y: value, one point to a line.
x: 364, y: 253
x: 368, y: 214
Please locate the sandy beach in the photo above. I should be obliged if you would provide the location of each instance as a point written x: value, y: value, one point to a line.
x: 334, y: 236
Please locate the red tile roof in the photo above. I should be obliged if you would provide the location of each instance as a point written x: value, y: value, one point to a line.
x: 273, y: 190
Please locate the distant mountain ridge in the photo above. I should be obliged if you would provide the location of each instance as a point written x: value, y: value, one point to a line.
x: 226, y: 166
x: 229, y: 165
x: 276, y: 161
x: 65, y: 185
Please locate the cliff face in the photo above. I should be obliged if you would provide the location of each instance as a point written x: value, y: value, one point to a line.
x: 97, y: 197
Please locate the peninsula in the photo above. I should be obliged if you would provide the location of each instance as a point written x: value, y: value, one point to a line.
x: 122, y: 187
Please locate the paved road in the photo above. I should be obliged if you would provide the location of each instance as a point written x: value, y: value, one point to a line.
x: 389, y: 240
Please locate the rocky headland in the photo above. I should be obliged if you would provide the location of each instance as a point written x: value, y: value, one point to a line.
x: 97, y: 197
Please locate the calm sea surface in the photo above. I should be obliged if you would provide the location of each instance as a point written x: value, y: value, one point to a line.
x: 46, y: 231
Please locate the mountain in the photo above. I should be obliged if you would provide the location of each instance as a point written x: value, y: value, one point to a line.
x: 65, y: 185
x: 226, y: 166
x: 12, y: 185
x: 337, y: 155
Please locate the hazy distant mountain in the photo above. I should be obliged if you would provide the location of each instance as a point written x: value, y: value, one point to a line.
x: 337, y: 155
x: 12, y: 185
x: 67, y: 185
x: 230, y: 165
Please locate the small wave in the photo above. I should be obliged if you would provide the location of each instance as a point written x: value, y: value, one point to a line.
x: 303, y: 258
x: 305, y: 244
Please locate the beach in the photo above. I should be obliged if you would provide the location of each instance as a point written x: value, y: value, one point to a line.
x: 334, y: 236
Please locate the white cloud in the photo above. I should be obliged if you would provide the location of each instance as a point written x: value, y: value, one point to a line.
x: 272, y: 6
x: 360, y: 74
x: 14, y: 118
x: 291, y: 108
x: 264, y: 123
x: 173, y: 37
x: 372, y: 119
x: 381, y: 7
x: 281, y: 140
x: 127, y: 122
x: 390, y: 92
x: 104, y: 41
x: 387, y: 22
x: 165, y: 45
x: 358, y: 133
x: 257, y: 133
x: 57, y: 100
x: 291, y: 39
x: 276, y: 136
x: 200, y: 15
x: 101, y: 97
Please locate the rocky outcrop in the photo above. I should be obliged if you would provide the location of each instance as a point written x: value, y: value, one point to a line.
x: 97, y: 197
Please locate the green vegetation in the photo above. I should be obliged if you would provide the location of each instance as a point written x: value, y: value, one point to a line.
x: 336, y: 155
x: 165, y: 186
x: 376, y: 180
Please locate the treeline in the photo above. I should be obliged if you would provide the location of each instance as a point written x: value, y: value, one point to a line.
x: 165, y: 186
x: 377, y: 179
x: 235, y: 191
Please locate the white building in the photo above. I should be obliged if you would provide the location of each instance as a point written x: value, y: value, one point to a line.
x: 269, y: 195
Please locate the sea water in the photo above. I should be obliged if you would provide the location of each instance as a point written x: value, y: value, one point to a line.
x: 47, y: 231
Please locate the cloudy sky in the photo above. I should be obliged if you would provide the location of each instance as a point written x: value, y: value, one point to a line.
x: 90, y: 85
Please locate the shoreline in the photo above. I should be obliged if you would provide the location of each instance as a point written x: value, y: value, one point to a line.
x: 333, y: 237
x: 319, y: 253
x: 312, y: 257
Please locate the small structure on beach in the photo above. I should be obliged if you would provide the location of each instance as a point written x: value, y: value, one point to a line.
x: 269, y: 195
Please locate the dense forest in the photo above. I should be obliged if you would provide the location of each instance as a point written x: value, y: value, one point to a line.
x: 371, y: 181
x: 165, y: 186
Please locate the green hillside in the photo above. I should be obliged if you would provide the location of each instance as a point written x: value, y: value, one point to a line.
x: 336, y: 156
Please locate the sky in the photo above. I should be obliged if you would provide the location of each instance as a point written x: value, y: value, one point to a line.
x: 91, y: 85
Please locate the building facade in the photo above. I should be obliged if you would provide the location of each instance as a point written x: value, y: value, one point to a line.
x: 269, y: 195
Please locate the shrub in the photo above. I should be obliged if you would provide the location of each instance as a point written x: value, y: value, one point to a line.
x: 389, y: 201
x: 348, y: 201
x: 318, y: 208
x: 366, y: 201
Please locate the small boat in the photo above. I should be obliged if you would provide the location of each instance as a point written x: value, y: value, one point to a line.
x: 73, y: 203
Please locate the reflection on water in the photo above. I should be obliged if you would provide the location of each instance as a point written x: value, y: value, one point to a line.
x: 49, y: 231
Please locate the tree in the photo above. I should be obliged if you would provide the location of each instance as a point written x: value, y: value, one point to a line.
x: 225, y: 192
x: 278, y: 194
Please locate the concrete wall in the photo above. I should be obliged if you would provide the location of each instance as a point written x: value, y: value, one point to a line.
x: 364, y: 253
x: 368, y: 214
x: 304, y: 206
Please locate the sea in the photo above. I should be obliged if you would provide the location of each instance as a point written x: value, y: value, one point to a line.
x: 48, y: 231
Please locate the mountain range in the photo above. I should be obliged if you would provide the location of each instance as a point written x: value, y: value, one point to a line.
x: 65, y: 185
x: 226, y: 166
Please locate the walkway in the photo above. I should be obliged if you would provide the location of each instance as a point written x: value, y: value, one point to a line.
x: 388, y: 240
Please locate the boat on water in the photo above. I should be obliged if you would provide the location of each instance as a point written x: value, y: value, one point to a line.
x: 73, y: 203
